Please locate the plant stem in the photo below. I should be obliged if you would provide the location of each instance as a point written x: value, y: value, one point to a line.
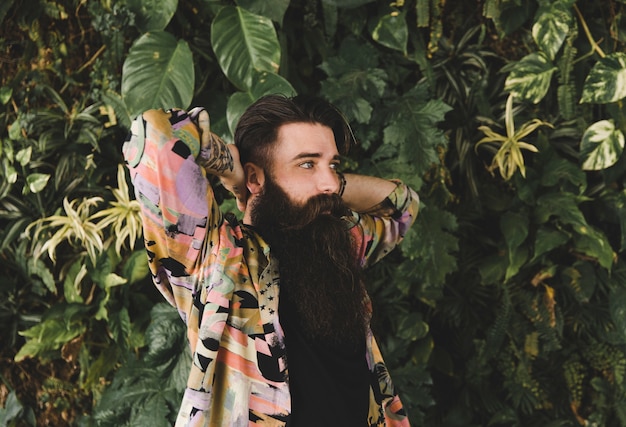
x: 593, y: 43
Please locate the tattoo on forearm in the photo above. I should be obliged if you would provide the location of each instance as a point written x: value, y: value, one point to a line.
x: 215, y: 156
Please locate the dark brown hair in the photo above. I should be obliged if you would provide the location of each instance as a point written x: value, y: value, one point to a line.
x: 257, y: 129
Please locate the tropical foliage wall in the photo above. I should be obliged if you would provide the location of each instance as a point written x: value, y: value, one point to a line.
x: 505, y: 306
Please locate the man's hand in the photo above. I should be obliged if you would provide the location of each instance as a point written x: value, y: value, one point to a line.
x: 221, y: 159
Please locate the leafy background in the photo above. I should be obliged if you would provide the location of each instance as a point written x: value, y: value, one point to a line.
x: 505, y: 306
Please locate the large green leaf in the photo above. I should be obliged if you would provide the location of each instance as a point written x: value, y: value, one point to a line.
x: 547, y: 239
x: 413, y: 128
x: 563, y: 206
x: 606, y: 81
x: 530, y: 77
x: 263, y: 83
x: 158, y: 73
x: 146, y: 391
x: 244, y: 43
x: 392, y: 31
x: 601, y: 146
x: 552, y: 26
x: 152, y: 15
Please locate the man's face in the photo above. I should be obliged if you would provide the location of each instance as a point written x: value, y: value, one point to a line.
x: 299, y: 215
x: 305, y: 161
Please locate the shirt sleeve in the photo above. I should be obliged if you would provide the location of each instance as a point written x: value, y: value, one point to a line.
x: 178, y: 207
x: 381, y: 228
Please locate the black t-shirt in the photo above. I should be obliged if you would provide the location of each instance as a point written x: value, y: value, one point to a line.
x: 329, y: 382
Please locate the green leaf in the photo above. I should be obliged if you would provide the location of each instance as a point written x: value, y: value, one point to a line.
x: 593, y: 243
x: 392, y: 31
x: 154, y: 383
x: 37, y: 268
x: 601, y: 146
x: 552, y: 27
x: 157, y: 73
x: 11, y: 411
x: 23, y: 156
x: 72, y: 283
x: 152, y: 15
x: 113, y: 280
x: 514, y: 227
x: 431, y: 244
x: 562, y: 206
x: 273, y: 9
x: 606, y: 81
x: 530, y: 77
x: 244, y: 43
x: 15, y: 129
x: 37, y: 181
x: 412, y: 327
x: 120, y: 325
x: 547, y: 239
x: 581, y: 279
x: 516, y: 259
x: 5, y: 94
x: 48, y: 335
x: 559, y: 170
x: 136, y: 267
x: 413, y: 128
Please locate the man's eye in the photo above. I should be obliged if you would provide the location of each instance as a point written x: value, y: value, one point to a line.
x: 306, y: 165
x: 334, y: 166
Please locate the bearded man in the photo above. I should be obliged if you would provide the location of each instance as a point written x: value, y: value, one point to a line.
x: 275, y: 305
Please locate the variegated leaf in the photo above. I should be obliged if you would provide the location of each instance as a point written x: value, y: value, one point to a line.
x: 551, y: 27
x: 602, y: 144
x: 530, y: 77
x: 606, y: 81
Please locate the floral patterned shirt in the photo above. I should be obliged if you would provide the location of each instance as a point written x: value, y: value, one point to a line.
x: 221, y: 277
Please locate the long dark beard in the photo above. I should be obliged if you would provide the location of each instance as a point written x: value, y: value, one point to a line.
x: 319, y: 271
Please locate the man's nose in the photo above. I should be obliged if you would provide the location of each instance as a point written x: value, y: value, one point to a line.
x: 328, y: 182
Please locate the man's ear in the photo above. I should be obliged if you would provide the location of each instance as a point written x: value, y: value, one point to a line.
x: 255, y: 177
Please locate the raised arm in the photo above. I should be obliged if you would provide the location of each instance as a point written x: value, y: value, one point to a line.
x: 220, y: 159
x: 384, y: 211
x: 361, y: 192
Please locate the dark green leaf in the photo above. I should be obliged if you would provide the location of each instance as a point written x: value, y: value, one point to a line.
x: 244, y: 44
x: 157, y: 73
x: 560, y: 206
x: 136, y: 267
x: 412, y: 327
x: 594, y: 243
x: 547, y: 239
x: 392, y: 32
x: 514, y: 227
x: 432, y: 245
